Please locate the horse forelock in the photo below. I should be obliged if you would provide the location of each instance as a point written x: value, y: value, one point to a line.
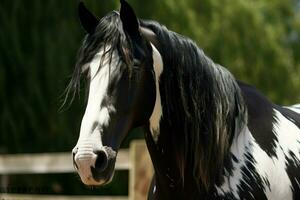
x: 108, y: 36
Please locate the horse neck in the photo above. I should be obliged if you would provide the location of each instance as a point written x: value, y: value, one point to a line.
x: 200, y: 102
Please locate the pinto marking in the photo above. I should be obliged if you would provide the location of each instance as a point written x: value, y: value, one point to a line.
x: 157, y: 111
x: 271, y: 170
x: 239, y: 150
x: 95, y: 116
x: 295, y: 108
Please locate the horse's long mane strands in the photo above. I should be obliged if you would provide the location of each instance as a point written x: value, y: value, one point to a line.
x: 202, y: 103
x: 110, y: 36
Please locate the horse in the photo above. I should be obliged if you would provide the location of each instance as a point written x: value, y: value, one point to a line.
x: 209, y: 135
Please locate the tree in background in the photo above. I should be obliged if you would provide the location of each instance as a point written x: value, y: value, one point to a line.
x: 39, y: 41
x: 258, y: 41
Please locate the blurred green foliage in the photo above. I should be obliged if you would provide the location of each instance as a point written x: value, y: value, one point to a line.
x: 257, y: 40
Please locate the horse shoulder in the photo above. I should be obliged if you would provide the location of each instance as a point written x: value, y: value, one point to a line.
x: 266, y: 154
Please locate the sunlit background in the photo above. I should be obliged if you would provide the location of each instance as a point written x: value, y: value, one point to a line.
x: 257, y: 40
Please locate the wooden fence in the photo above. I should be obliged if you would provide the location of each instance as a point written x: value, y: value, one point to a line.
x: 136, y: 160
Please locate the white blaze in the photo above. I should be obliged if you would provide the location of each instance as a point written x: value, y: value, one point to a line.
x: 157, y: 111
x: 94, y: 116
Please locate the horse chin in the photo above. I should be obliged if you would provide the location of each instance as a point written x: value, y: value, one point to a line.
x: 98, y: 179
x: 100, y: 182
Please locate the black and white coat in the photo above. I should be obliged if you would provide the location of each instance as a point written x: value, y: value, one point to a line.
x: 264, y: 155
x: 209, y: 136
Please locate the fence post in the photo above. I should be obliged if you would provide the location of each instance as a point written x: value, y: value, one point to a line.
x: 141, y: 173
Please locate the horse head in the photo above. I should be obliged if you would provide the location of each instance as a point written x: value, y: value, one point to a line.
x: 120, y: 62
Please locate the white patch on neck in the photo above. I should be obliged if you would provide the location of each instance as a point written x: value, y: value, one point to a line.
x: 295, y: 108
x: 157, y: 111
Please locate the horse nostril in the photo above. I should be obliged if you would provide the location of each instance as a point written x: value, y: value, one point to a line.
x: 101, y: 160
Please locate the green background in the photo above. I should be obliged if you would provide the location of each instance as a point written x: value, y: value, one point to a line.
x: 257, y: 40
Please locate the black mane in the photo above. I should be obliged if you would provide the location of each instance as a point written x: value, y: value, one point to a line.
x: 202, y: 105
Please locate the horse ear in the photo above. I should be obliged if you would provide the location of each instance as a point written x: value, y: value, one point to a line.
x: 129, y: 20
x: 88, y: 21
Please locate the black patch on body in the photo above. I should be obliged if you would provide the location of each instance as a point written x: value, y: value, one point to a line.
x: 260, y: 118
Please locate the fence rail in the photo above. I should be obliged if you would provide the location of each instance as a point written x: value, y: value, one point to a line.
x: 136, y: 160
x: 56, y: 197
x: 49, y: 163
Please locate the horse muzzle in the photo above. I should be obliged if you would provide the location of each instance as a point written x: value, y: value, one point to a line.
x: 95, y: 166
